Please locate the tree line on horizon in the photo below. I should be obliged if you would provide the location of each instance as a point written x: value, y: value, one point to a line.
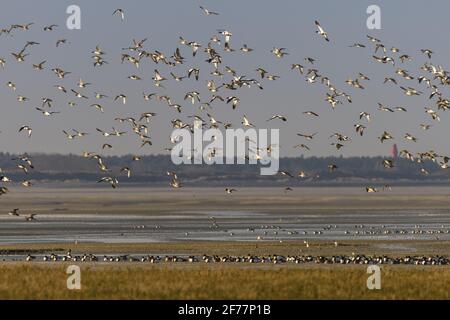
x: 154, y: 168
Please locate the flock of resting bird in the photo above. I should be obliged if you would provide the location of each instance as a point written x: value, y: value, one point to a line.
x: 356, y: 259
x: 433, y: 78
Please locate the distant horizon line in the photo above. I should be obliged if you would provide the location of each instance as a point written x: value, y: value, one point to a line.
x: 168, y: 155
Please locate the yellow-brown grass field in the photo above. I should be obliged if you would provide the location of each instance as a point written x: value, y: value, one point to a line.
x: 127, y: 281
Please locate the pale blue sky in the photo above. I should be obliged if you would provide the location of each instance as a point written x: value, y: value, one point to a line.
x: 407, y: 25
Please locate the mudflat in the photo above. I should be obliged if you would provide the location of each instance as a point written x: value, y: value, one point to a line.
x: 142, y: 200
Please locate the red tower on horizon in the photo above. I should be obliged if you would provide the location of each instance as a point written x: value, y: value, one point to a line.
x: 394, y: 152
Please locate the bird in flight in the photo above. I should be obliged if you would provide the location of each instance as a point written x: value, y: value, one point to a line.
x: 208, y: 12
x: 120, y: 13
x: 246, y: 122
x: 14, y: 213
x: 279, y: 52
x: 47, y: 113
x: 30, y: 217
x: 321, y: 31
x: 279, y: 117
x: 26, y: 129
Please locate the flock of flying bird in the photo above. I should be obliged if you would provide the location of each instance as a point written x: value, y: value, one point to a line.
x: 223, y: 84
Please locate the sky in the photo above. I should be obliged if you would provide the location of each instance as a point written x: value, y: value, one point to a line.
x: 262, y: 25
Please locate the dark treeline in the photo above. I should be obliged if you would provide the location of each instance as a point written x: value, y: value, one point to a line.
x: 152, y: 169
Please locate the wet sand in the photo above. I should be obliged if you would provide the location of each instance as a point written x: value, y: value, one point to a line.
x: 146, y: 215
x: 128, y: 200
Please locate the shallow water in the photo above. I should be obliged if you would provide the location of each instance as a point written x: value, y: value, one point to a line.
x: 229, y: 226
